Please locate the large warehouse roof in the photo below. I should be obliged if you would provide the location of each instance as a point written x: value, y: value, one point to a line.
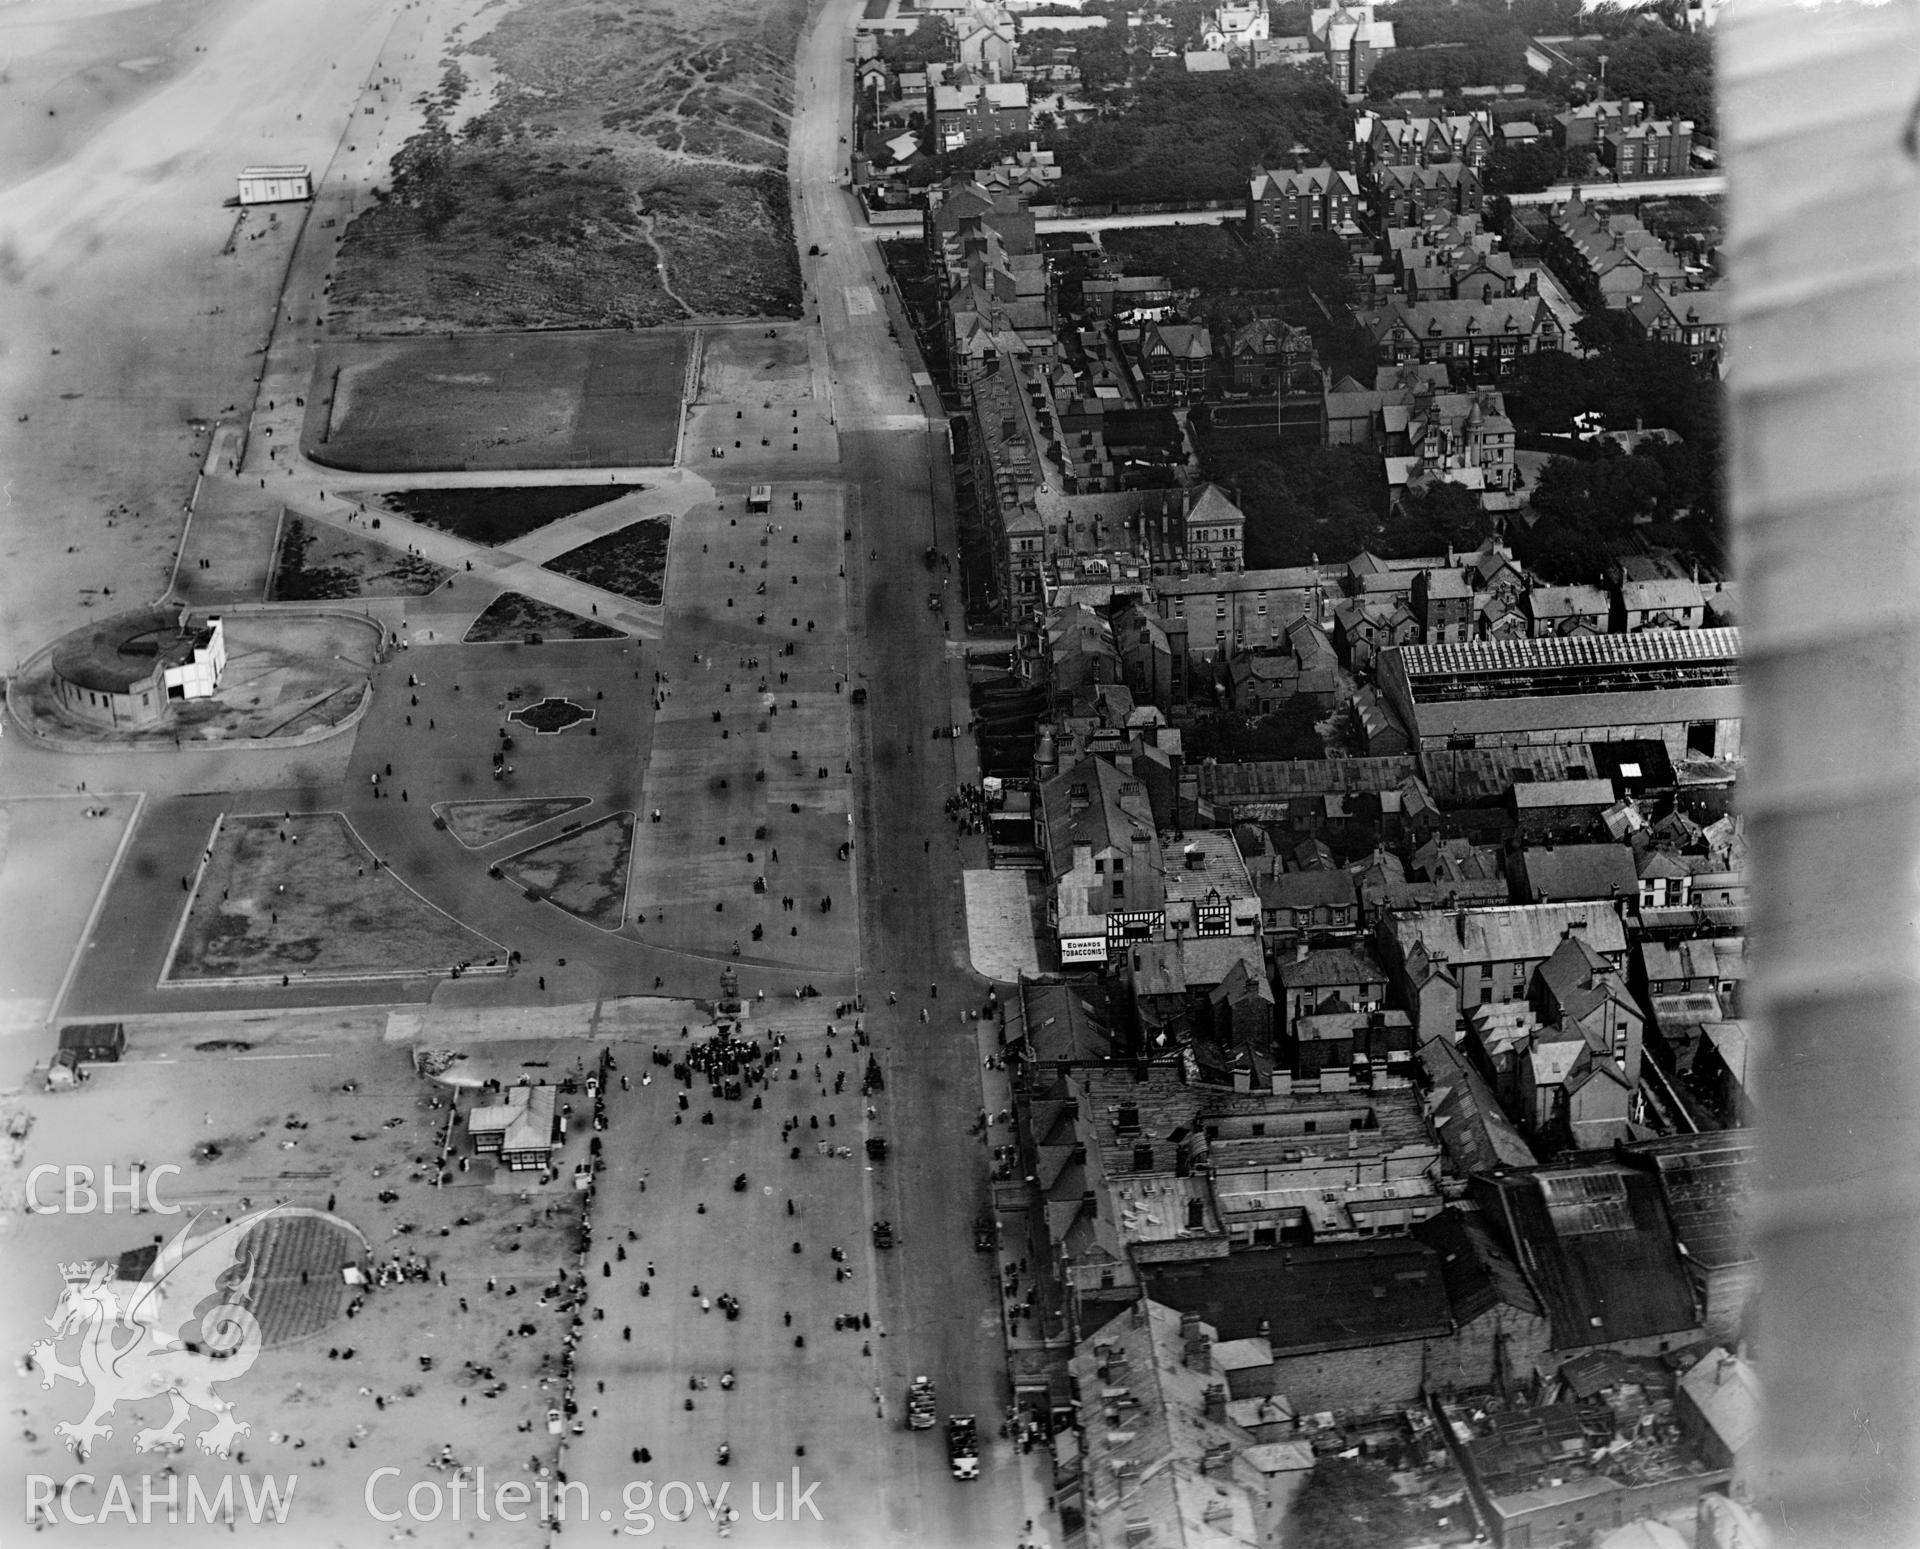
x: 1652, y: 647
x: 1574, y: 712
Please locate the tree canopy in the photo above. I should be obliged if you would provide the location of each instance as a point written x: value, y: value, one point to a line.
x: 1671, y: 71
x: 1288, y: 733
x: 929, y: 43
x: 1187, y: 137
x: 1524, y: 169
x: 1349, y: 1504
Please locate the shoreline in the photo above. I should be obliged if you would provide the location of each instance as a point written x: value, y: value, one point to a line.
x: 64, y: 77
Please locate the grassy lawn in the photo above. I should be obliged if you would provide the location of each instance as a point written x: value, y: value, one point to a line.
x: 515, y: 616
x: 478, y: 824
x: 579, y: 398
x: 497, y: 516
x: 584, y: 873
x: 311, y: 904
x: 317, y: 563
x: 631, y: 562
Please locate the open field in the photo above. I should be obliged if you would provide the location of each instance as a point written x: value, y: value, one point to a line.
x: 304, y: 896
x: 516, y: 616
x: 560, y: 400
x: 584, y: 873
x: 317, y: 563
x: 739, y: 365
x: 628, y: 171
x: 477, y: 824
x: 632, y: 561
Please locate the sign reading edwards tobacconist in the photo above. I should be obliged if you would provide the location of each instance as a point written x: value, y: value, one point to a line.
x: 1083, y: 949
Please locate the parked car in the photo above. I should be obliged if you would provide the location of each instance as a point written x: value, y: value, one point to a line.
x: 963, y: 1447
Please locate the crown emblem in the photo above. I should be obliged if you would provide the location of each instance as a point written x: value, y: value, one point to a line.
x: 79, y: 1272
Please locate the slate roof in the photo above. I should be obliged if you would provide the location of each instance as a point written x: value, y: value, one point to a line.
x: 1573, y: 712
x: 1443, y: 318
x: 1061, y: 1023
x: 1726, y: 1391
x: 1307, y: 181
x: 1272, y: 779
x: 1595, y: 1243
x: 1522, y: 933
x: 1708, y: 1182
x: 1323, y: 1296
x: 1702, y: 957
x: 1478, y: 1273
x: 1307, y: 890
x: 1184, y: 341
x: 1528, y: 653
x: 1477, y: 1135
x: 1565, y: 871
x: 1666, y: 595
x: 1535, y: 795
x: 1329, y: 968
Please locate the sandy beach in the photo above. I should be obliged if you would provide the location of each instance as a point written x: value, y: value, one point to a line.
x: 128, y: 326
x: 66, y: 66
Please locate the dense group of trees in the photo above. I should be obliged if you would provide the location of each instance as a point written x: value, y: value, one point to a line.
x: 1445, y: 69
x: 1670, y: 71
x: 1350, y: 1504
x: 1188, y: 137
x: 1623, y: 376
x: 1229, y: 259
x: 931, y: 42
x: 1305, y: 278
x: 1523, y: 169
x: 1302, y: 503
x: 1588, y: 511
x: 1288, y: 733
x: 1100, y: 53
x: 1589, y: 507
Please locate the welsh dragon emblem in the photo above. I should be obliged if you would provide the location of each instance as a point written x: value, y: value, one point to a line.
x: 156, y: 1356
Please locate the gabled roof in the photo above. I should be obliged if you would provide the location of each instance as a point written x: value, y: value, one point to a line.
x: 1522, y: 933
x: 1116, y: 808
x: 1708, y: 1181
x: 1479, y: 1274
x: 1702, y: 957
x: 1183, y: 340
x: 1331, y: 968
x: 1726, y: 1391
x: 1213, y: 505
x: 1566, y: 871
x: 1445, y: 318
x: 1537, y: 795
x: 1320, y: 1296
x: 1563, y: 602
x: 1465, y: 1114
x: 1595, y: 1243
x: 1308, y: 182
